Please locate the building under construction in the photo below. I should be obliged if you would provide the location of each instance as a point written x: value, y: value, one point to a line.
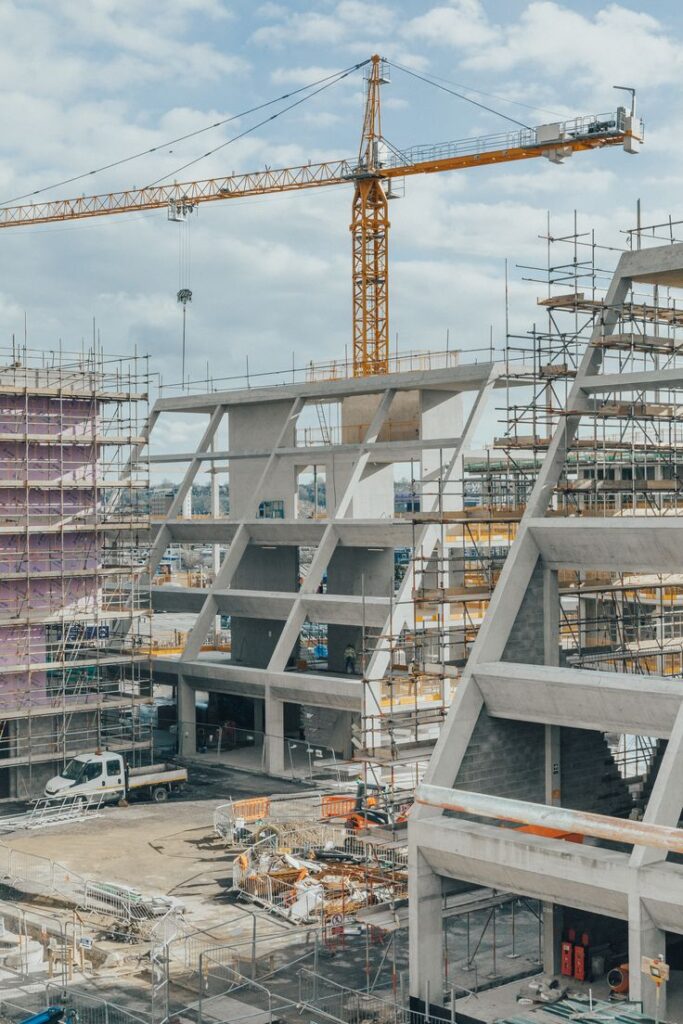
x: 293, y: 571
x: 74, y: 607
x: 558, y: 773
x: 554, y: 661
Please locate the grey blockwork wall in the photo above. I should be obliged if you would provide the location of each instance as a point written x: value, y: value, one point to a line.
x: 505, y: 758
x: 526, y: 641
x: 590, y: 779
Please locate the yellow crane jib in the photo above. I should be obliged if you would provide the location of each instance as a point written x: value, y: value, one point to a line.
x: 371, y: 174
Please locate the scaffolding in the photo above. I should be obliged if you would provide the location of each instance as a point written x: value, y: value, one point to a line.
x: 74, y: 604
x: 625, y: 459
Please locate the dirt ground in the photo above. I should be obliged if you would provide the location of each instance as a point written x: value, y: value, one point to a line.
x: 166, y: 849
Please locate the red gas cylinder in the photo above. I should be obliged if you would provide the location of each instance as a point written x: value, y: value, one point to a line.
x: 567, y: 960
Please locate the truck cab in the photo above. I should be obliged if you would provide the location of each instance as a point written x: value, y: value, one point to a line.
x: 89, y: 775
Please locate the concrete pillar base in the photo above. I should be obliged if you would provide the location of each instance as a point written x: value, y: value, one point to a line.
x: 552, y: 918
x: 644, y: 939
x: 426, y: 930
x: 274, y: 744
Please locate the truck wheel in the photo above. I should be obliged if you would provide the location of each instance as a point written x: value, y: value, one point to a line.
x: 159, y: 794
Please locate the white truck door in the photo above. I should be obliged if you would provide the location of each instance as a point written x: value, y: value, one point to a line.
x: 94, y: 778
x: 114, y: 768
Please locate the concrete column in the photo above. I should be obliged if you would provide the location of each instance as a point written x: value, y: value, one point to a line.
x: 215, y: 513
x: 551, y: 617
x: 425, y: 929
x: 552, y: 918
x: 274, y: 743
x: 187, y: 718
x: 644, y: 939
x: 551, y: 914
x: 259, y: 715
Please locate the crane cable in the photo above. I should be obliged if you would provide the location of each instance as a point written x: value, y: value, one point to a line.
x: 184, y: 294
x: 459, y: 95
x: 329, y: 79
x: 259, y: 124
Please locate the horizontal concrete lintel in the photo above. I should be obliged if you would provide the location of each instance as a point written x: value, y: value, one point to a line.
x: 637, y: 380
x: 380, y: 451
x: 607, y: 701
x: 338, y: 609
x: 620, y: 543
x: 463, y: 377
x: 384, y: 533
x: 317, y: 689
x: 587, y: 878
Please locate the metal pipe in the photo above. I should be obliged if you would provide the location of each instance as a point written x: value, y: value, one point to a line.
x: 619, y: 830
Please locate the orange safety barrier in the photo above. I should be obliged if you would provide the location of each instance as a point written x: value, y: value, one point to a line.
x: 337, y: 806
x: 252, y: 809
x: 550, y: 833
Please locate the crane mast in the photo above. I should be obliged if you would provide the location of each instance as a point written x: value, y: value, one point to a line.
x: 370, y: 242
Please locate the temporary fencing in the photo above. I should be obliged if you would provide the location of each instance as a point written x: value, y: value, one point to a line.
x: 47, y: 812
x: 231, y: 820
x: 42, y: 876
x: 84, y: 1008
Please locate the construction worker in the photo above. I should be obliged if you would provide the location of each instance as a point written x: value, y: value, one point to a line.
x: 350, y: 660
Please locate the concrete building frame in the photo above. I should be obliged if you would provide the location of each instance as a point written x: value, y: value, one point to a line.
x: 513, y: 680
x: 386, y: 419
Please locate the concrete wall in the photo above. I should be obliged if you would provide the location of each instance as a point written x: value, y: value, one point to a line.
x: 350, y: 571
x: 506, y: 758
x: 441, y: 416
x: 254, y: 640
x: 327, y: 727
x: 255, y: 428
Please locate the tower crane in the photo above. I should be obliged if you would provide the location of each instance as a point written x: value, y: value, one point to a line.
x: 371, y: 175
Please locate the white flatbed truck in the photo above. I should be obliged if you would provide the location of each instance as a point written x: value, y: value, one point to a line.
x: 104, y: 772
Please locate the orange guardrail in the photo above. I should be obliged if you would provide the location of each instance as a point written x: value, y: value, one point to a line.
x: 252, y: 808
x: 337, y: 806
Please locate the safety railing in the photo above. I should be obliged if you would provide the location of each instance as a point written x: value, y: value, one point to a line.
x: 47, y: 812
x: 589, y: 126
x: 323, y: 997
x: 265, y: 1003
x: 33, y: 942
x: 33, y: 873
x: 89, y: 1009
x: 339, y: 369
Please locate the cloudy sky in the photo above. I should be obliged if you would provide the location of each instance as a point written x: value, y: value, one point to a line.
x: 89, y: 83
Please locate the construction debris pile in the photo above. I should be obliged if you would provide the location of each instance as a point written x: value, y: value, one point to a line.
x: 320, y: 873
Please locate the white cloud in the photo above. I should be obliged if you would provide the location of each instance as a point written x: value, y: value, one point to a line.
x: 301, y: 75
x: 545, y: 179
x: 116, y: 45
x: 462, y: 24
x: 348, y: 22
x: 600, y: 49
